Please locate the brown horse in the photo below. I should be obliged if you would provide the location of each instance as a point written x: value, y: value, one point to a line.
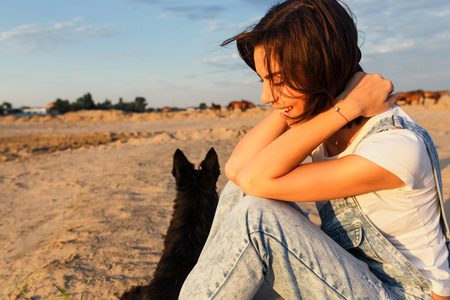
x: 215, y: 107
x: 409, y: 97
x: 435, y: 95
x: 242, y: 105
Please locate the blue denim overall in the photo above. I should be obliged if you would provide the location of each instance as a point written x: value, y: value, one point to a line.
x: 253, y: 239
x: 344, y: 221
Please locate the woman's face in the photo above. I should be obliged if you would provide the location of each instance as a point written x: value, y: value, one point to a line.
x: 287, y: 101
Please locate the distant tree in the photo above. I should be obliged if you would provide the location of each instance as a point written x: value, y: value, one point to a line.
x: 107, y: 104
x: 139, y: 104
x: 61, y: 106
x: 85, y: 102
x: 122, y: 105
x: 6, y: 105
x: 203, y: 106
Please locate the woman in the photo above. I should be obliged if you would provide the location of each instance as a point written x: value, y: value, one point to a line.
x: 387, y: 242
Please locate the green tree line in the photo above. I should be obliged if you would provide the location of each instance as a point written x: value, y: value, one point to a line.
x: 86, y: 102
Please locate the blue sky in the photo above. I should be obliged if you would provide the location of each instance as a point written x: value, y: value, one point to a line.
x: 168, y: 50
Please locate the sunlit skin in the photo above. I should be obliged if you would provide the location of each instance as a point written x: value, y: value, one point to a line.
x: 283, y: 99
x: 266, y: 161
x: 437, y: 297
x: 289, y: 104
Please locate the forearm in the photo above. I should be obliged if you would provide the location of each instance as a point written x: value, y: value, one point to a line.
x: 254, y: 142
x: 269, y: 154
x: 366, y: 95
x: 290, y: 149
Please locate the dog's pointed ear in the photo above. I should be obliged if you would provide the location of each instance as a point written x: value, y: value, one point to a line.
x: 181, y: 164
x: 211, y: 164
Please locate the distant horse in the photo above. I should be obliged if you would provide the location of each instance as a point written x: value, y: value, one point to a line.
x: 242, y: 105
x: 215, y: 107
x: 409, y: 97
x: 435, y: 95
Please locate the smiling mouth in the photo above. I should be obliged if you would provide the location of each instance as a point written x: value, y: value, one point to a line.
x: 285, y: 110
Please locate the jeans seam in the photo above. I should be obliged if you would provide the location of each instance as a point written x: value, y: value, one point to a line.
x: 231, y: 270
x: 299, y: 259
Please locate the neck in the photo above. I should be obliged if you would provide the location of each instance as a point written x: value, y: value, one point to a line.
x: 339, y: 141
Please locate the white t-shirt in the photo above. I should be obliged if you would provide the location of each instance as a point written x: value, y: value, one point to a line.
x: 408, y: 217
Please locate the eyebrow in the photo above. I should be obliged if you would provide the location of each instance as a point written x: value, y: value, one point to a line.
x: 268, y: 75
x: 276, y: 73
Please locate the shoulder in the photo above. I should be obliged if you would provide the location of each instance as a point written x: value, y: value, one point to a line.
x: 375, y: 134
x: 396, y: 143
x: 400, y: 151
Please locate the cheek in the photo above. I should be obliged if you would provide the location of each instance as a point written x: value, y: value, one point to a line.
x: 295, y: 98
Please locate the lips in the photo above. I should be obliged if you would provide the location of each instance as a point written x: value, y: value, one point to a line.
x: 285, y: 111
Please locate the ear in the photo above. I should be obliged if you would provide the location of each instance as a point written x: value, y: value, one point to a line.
x: 211, y: 164
x: 181, y: 165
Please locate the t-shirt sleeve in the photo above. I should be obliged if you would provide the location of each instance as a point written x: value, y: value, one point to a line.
x: 401, y: 152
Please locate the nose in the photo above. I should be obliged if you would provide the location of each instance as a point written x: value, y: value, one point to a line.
x: 267, y: 96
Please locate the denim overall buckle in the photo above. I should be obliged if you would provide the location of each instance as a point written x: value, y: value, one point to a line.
x: 401, y: 126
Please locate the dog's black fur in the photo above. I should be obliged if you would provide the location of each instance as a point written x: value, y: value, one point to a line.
x: 194, y: 208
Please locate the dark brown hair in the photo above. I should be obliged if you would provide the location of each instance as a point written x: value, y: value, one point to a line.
x: 315, y: 44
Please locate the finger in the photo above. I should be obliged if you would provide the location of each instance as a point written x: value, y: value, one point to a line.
x: 392, y: 87
x: 392, y: 99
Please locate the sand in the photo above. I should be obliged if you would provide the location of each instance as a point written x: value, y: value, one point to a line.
x: 86, y: 196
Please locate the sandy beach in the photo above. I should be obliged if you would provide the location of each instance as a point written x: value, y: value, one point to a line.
x: 86, y: 196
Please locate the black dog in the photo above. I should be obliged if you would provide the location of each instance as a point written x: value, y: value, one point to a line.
x: 194, y: 208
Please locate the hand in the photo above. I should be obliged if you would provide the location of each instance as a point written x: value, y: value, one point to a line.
x: 368, y: 94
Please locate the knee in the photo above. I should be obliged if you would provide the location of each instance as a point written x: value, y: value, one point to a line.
x: 231, y: 187
x: 252, y: 210
x: 253, y: 204
x: 256, y: 211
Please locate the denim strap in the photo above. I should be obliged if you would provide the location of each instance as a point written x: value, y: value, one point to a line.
x: 396, y: 122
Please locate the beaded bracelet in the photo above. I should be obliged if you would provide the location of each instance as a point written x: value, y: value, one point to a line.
x: 337, y: 109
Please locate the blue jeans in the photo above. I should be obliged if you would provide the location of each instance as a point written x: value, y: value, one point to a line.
x: 254, y: 239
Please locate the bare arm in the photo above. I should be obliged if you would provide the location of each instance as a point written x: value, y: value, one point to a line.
x: 275, y: 172
x: 254, y: 142
x: 437, y: 297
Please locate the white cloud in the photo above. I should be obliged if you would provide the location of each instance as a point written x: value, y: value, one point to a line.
x: 216, y: 60
x: 220, y: 25
x: 214, y: 25
x: 37, y: 37
x: 192, y: 12
x: 123, y: 55
x: 389, y: 45
x: 392, y: 26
